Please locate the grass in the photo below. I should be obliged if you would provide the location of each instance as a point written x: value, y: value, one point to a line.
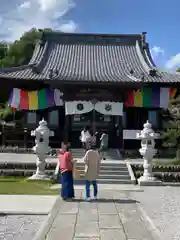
x: 22, y: 186
x: 167, y: 163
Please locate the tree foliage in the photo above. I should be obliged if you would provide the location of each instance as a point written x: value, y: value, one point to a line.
x: 15, y: 54
x: 171, y: 135
x: 20, y: 51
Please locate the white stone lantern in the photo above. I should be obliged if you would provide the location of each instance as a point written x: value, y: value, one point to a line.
x: 147, y: 151
x: 41, y: 148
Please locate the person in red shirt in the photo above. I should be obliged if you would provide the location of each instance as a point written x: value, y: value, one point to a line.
x: 66, y: 169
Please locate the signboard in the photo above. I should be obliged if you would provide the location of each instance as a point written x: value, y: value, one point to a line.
x: 130, y: 134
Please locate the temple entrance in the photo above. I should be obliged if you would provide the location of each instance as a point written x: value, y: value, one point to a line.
x: 98, y: 116
x: 96, y: 122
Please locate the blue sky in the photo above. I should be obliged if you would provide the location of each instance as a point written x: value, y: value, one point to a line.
x: 160, y: 19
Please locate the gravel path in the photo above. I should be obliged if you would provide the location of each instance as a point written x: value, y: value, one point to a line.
x: 162, y: 205
x: 19, y: 227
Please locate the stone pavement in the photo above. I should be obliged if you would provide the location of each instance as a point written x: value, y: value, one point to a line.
x: 26, y: 204
x: 115, y: 215
x: 20, y: 227
x: 162, y: 205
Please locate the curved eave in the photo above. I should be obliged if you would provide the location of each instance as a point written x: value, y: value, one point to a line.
x: 146, y: 67
x: 148, y: 57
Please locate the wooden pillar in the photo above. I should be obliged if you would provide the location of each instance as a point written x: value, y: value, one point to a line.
x: 66, y: 128
x: 119, y: 132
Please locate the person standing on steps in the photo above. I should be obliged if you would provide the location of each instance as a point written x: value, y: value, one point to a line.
x: 85, y: 136
x: 92, y: 162
x: 98, y: 142
x: 104, y: 145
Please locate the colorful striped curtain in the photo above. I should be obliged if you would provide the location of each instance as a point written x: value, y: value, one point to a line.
x: 35, y: 100
x: 138, y: 98
x: 150, y: 97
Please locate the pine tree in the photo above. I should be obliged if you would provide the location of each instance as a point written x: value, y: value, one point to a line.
x: 171, y: 135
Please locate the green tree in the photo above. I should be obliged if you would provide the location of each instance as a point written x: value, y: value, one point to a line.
x: 171, y: 135
x: 15, y: 54
x: 20, y: 51
x: 3, y: 50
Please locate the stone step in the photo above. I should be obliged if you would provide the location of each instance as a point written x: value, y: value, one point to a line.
x: 106, y: 181
x: 112, y: 177
x: 107, y: 168
x: 110, y: 154
x: 108, y: 172
x: 114, y: 181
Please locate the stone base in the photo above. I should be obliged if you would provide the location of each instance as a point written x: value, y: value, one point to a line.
x: 142, y: 181
x: 40, y: 177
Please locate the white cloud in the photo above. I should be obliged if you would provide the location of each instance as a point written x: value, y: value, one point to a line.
x: 20, y: 16
x: 25, y: 5
x: 174, y: 62
x: 156, y: 51
x: 68, y: 27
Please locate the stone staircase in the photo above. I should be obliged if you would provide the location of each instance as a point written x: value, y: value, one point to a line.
x: 112, y: 154
x: 111, y: 172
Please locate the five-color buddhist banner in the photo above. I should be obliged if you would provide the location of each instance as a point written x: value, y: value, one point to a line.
x: 35, y: 100
x: 45, y: 98
x: 150, y: 97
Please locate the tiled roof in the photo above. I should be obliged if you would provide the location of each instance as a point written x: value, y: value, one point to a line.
x: 91, y: 57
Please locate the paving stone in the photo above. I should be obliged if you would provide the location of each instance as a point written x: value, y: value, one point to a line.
x: 162, y: 206
x: 69, y: 207
x: 125, y: 208
x: 63, y: 221
x: 109, y: 221
x: 87, y: 229
x: 82, y: 238
x: 20, y: 227
x: 133, y: 214
x: 107, y: 208
x: 137, y: 230
x: 115, y: 234
x: 62, y: 233
x: 87, y: 205
x: 90, y: 216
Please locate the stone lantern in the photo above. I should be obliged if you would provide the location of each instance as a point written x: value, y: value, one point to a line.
x: 147, y: 151
x: 41, y: 148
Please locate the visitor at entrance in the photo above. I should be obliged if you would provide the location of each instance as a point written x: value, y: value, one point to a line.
x: 98, y: 142
x: 104, y: 145
x: 92, y: 161
x: 85, y: 137
x: 66, y: 169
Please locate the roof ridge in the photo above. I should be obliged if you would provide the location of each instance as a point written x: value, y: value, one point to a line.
x: 148, y: 57
x: 40, y: 64
x: 35, y: 53
x: 91, y: 34
x: 145, y: 65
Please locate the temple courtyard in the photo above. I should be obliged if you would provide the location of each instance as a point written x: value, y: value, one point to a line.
x: 121, y: 212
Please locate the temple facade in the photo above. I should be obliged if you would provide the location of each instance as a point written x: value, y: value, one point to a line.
x: 106, y: 82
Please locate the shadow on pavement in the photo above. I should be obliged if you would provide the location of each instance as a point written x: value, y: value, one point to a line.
x: 105, y: 200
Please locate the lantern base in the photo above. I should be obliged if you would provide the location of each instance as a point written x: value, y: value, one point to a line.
x: 150, y: 181
x: 40, y: 177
